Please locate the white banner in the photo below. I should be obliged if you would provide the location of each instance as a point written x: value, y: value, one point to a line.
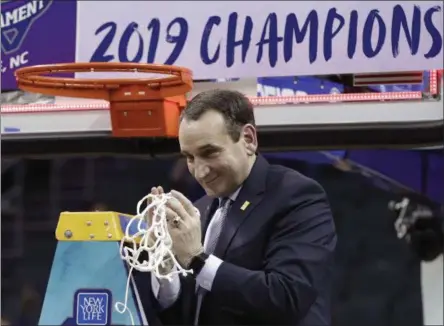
x: 229, y: 39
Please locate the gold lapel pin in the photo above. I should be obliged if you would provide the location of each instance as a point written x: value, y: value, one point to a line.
x: 245, y: 205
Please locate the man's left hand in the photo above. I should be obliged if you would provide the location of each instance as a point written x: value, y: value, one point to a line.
x: 184, y: 227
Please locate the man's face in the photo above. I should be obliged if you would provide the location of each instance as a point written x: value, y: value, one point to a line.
x: 219, y: 164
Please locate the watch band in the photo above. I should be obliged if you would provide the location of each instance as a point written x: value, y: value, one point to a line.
x: 197, y: 263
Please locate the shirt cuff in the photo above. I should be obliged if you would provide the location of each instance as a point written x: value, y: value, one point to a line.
x: 208, y: 272
x: 164, y: 291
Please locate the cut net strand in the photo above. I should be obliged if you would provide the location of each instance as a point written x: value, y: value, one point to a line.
x: 150, y: 238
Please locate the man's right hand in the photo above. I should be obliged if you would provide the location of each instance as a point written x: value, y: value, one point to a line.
x: 152, y: 240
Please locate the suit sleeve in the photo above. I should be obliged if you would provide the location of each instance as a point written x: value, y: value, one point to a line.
x: 176, y: 313
x: 298, y: 259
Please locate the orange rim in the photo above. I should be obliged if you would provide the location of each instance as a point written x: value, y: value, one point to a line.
x: 33, y: 76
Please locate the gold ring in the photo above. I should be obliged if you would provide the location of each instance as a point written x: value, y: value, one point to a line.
x: 176, y: 221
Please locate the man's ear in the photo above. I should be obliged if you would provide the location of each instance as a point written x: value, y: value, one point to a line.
x: 249, y: 136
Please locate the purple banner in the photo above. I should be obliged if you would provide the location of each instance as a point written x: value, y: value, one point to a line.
x: 36, y: 32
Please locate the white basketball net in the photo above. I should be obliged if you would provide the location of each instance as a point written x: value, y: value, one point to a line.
x: 153, y: 239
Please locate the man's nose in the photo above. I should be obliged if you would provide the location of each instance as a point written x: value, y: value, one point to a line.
x: 201, y: 170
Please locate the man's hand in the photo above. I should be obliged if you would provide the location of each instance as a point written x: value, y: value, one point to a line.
x: 184, y: 228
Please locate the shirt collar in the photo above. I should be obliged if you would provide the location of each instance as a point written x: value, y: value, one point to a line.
x: 233, y: 196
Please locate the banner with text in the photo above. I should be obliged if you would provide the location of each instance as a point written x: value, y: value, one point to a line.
x: 36, y: 32
x: 229, y: 39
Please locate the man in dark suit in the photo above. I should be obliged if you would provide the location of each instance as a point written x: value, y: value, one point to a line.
x: 262, y: 247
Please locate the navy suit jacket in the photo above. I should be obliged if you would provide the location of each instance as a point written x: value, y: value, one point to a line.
x: 277, y: 252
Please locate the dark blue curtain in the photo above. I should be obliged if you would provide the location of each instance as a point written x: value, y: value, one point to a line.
x: 420, y: 170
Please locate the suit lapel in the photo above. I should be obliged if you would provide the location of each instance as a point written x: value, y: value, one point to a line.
x: 249, y: 196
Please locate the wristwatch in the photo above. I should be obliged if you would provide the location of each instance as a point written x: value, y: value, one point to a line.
x: 197, y: 263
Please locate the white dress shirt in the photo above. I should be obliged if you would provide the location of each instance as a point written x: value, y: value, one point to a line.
x: 167, y: 292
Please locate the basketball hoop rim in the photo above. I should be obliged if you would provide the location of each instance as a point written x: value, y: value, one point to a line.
x: 178, y: 83
x: 32, y: 75
x: 147, y: 107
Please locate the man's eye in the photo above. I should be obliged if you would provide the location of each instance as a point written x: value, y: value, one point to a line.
x: 211, y: 153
